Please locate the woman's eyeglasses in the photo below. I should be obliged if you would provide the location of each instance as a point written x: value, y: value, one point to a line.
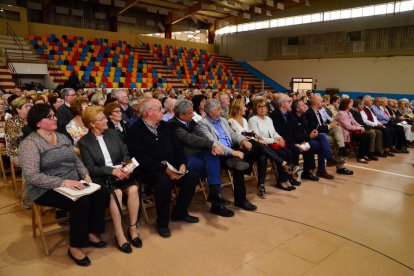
x: 51, y: 116
x: 261, y: 106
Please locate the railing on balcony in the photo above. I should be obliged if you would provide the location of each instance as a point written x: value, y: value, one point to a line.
x: 13, y: 72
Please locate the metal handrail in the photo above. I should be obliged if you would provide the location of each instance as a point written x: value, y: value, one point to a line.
x: 10, y: 32
x: 138, y: 42
x: 53, y: 69
x: 13, y: 72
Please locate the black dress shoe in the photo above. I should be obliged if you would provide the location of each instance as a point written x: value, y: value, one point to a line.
x: 221, y: 211
x: 99, y: 244
x: 390, y: 154
x: 373, y: 157
x: 83, y: 262
x: 380, y: 154
x: 216, y: 198
x: 324, y: 174
x: 246, y: 205
x: 285, y: 186
x: 164, y: 232
x: 126, y: 247
x: 187, y: 218
x: 344, y: 171
x: 309, y: 176
x: 294, y: 182
x: 136, y: 242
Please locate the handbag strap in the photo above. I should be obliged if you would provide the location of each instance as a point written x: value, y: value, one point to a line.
x: 118, y: 204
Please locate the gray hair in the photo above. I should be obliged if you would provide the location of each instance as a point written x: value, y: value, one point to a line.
x: 365, y: 99
x: 181, y: 107
x: 280, y: 99
x: 65, y: 91
x: 117, y: 94
x: 145, y: 106
x: 211, y: 104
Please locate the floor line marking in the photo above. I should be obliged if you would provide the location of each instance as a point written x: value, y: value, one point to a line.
x: 380, y: 171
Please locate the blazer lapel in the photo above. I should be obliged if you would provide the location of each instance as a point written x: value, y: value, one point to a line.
x: 95, y: 148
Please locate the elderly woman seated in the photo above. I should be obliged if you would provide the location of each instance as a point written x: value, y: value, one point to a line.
x: 104, y: 153
x: 50, y: 162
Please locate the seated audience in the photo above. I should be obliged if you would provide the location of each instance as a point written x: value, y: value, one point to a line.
x: 153, y: 143
x: 75, y: 127
x: 397, y: 132
x: 199, y: 101
x: 103, y: 154
x: 237, y: 150
x: 169, y: 109
x: 114, y: 114
x: 332, y: 130
x: 375, y: 142
x: 203, y: 155
x: 51, y: 162
x: 353, y: 130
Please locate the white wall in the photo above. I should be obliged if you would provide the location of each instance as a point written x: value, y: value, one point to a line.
x: 382, y: 75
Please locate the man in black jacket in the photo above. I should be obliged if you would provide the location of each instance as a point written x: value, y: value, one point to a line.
x: 203, y: 155
x: 155, y: 146
x: 292, y: 131
x: 332, y: 130
x: 64, y: 114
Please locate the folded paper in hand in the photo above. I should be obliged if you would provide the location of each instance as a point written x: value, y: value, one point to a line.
x: 73, y: 194
x: 171, y: 167
x: 305, y: 146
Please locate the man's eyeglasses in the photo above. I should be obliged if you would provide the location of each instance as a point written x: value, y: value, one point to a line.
x: 51, y: 116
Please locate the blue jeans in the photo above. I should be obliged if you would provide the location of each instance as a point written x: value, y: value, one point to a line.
x: 320, y: 145
x: 206, y: 165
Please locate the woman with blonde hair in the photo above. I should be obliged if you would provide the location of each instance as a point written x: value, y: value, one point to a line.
x: 239, y: 124
x: 104, y: 154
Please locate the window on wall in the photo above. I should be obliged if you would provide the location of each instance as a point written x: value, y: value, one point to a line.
x: 301, y: 85
x: 365, y: 11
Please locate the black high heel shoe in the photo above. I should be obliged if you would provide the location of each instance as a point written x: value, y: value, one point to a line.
x: 126, y: 247
x: 290, y: 168
x: 82, y: 262
x: 136, y: 242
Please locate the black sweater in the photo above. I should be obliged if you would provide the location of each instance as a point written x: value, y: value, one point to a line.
x: 150, y: 150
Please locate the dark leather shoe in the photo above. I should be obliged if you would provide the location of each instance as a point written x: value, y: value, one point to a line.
x: 83, y: 262
x: 286, y: 187
x: 344, y: 171
x: 309, y: 176
x: 390, y: 154
x: 405, y: 151
x: 216, y: 198
x: 187, y: 218
x: 99, y: 244
x: 164, y: 232
x: 290, y: 168
x: 246, y: 205
x: 126, y: 247
x: 136, y: 242
x: 380, y: 154
x: 236, y: 163
x: 393, y: 150
x: 373, y: 157
x: 324, y: 174
x: 221, y: 211
x: 294, y: 182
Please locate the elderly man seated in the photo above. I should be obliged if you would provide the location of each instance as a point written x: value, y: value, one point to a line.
x: 237, y: 150
x: 203, y: 155
x: 155, y: 146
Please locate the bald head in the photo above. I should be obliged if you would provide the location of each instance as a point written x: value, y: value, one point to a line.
x: 316, y: 101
